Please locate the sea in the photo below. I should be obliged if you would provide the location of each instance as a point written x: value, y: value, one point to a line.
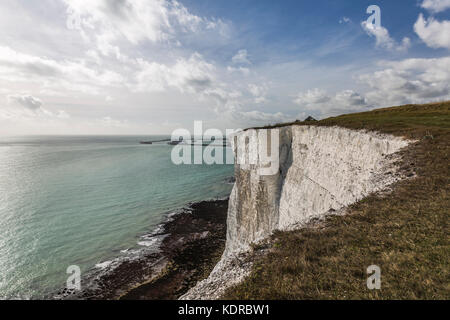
x: 85, y: 201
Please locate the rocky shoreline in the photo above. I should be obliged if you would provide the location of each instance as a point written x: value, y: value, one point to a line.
x: 192, y: 243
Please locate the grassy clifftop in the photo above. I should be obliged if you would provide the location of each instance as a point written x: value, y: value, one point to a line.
x: 405, y: 233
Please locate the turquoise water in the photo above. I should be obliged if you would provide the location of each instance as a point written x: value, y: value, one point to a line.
x: 82, y: 200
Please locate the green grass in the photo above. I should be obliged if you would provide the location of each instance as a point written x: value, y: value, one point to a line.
x: 405, y: 232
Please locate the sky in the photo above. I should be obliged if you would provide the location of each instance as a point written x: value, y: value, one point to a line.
x: 152, y: 66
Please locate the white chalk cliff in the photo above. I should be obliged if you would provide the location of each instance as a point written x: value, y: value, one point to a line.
x: 321, y: 169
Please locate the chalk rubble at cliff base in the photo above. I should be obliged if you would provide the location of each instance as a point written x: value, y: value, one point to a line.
x: 321, y: 169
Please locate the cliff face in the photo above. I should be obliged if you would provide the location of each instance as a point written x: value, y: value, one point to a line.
x: 320, y: 170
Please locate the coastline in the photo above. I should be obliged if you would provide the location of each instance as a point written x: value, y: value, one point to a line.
x: 186, y: 248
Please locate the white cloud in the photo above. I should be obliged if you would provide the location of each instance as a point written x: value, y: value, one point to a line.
x: 436, y: 5
x: 238, y: 117
x: 17, y: 66
x: 258, y: 92
x: 409, y: 81
x: 62, y: 115
x: 134, y: 21
x: 341, y: 102
x: 222, y: 96
x: 25, y: 101
x: 312, y: 97
x: 398, y: 82
x: 20, y: 106
x: 349, y: 100
x: 383, y: 39
x: 436, y: 34
x: 243, y: 70
x: 140, y: 53
x: 193, y: 75
x: 241, y: 57
x: 137, y: 59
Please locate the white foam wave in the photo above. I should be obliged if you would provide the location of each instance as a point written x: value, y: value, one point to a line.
x: 103, y: 265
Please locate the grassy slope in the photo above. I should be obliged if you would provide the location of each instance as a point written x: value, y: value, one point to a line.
x: 406, y: 232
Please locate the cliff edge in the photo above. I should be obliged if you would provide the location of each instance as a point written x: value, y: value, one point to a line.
x: 320, y: 171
